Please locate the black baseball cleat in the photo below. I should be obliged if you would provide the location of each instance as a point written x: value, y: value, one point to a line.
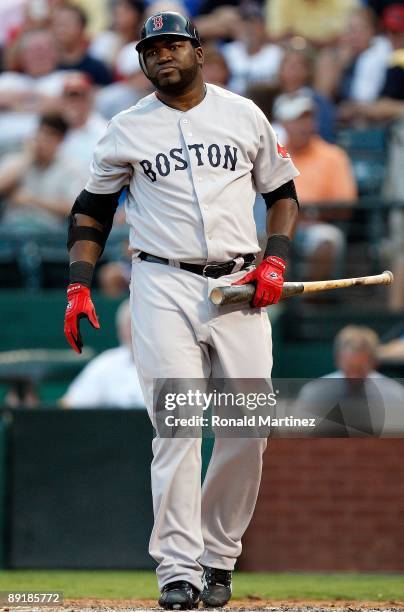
x: 179, y: 595
x: 216, y: 587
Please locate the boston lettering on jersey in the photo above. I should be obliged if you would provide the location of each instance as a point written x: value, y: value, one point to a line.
x: 214, y: 155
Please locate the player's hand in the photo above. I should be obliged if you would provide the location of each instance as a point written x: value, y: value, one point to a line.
x: 79, y: 305
x: 268, y: 280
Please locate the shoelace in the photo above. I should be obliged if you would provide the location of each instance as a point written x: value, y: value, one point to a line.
x: 218, y: 576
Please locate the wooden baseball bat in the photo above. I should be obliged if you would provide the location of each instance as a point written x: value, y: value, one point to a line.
x: 244, y: 293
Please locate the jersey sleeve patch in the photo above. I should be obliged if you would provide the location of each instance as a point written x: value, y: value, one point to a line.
x: 282, y: 151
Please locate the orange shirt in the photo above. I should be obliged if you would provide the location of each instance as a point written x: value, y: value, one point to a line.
x: 325, y: 173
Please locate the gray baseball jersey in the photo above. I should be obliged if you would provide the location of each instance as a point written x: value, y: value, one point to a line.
x: 193, y: 176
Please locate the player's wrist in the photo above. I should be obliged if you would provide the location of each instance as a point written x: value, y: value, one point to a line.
x: 81, y: 273
x: 278, y: 245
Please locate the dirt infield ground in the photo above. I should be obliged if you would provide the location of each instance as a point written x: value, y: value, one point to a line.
x: 243, y: 605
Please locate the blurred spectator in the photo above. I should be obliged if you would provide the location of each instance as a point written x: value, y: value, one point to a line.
x: 390, y: 107
x: 356, y: 399
x: 355, y: 351
x: 97, y: 11
x: 69, y: 24
x: 295, y: 76
x: 251, y: 58
x: 396, y: 293
x: 115, y: 47
x: 207, y: 6
x: 393, y: 350
x: 22, y: 394
x: 33, y: 89
x: 11, y: 18
x: 193, y: 7
x: 379, y: 6
x: 39, y: 185
x: 158, y: 6
x: 325, y: 177
x: 320, y: 22
x: 325, y: 171
x: 355, y: 69
x: 393, y: 191
x: 215, y: 68
x: 110, y: 380
x: 34, y: 15
x: 390, y: 104
x: 393, y: 20
x: 36, y: 61
x: 119, y: 96
x: 219, y: 21
x: 114, y: 278
x: 86, y: 126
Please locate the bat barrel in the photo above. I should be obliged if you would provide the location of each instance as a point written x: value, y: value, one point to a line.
x: 386, y: 278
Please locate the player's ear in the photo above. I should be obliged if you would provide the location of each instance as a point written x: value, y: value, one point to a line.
x: 199, y: 55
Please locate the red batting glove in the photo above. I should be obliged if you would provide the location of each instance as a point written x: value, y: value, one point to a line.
x: 79, y: 305
x: 268, y: 280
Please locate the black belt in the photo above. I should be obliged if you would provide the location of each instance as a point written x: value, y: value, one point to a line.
x: 212, y: 269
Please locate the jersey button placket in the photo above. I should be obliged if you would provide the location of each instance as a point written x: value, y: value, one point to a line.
x: 187, y: 133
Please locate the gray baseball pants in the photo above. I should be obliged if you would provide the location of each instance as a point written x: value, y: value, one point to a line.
x: 178, y: 333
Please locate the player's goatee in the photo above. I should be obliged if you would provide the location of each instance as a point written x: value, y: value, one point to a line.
x: 187, y: 76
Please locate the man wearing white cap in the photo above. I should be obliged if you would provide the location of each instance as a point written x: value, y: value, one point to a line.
x: 325, y: 178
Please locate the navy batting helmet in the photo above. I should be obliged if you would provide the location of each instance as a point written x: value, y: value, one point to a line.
x: 168, y: 23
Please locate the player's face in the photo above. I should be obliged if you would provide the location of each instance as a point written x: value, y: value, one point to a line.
x: 172, y: 64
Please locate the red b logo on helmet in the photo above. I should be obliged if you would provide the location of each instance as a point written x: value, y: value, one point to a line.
x: 157, y: 22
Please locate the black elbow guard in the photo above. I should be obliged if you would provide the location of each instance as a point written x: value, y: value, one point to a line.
x: 83, y: 232
x: 100, y: 207
x: 287, y: 191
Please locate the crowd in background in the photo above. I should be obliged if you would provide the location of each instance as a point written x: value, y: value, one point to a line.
x: 315, y: 67
x: 322, y: 71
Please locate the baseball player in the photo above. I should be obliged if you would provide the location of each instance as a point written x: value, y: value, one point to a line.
x: 193, y: 156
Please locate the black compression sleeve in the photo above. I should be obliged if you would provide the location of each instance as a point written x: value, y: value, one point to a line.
x: 287, y: 191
